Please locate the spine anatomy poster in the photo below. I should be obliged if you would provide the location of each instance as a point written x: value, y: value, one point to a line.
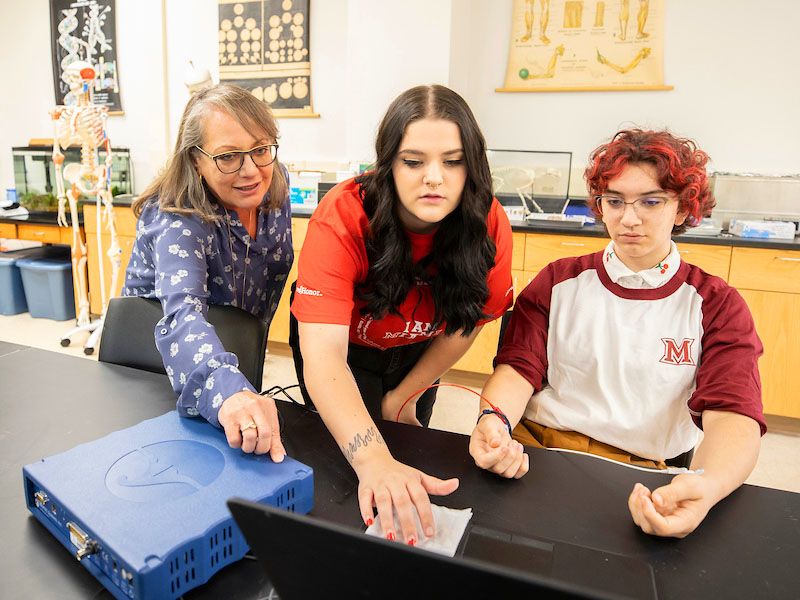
x: 86, y: 30
x: 575, y: 45
x: 263, y: 47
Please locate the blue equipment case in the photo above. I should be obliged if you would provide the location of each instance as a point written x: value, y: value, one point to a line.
x: 144, y: 508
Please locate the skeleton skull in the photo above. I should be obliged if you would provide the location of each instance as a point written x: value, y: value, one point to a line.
x: 77, y: 73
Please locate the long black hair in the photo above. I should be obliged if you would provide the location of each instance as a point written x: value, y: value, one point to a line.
x: 463, y: 252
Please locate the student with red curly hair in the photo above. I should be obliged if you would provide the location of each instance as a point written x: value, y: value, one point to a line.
x: 628, y: 353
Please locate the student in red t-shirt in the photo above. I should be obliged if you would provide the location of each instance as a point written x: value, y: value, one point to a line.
x: 400, y: 269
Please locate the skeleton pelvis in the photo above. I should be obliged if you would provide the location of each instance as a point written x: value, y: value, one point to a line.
x: 86, y: 179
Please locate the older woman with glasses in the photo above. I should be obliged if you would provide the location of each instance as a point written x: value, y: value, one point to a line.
x: 215, y: 228
x: 629, y: 352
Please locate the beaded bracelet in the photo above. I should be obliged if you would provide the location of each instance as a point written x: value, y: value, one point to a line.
x: 500, y: 415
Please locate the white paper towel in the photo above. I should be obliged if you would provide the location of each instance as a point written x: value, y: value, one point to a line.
x: 449, y: 523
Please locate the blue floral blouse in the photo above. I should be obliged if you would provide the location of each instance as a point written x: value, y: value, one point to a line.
x: 187, y: 265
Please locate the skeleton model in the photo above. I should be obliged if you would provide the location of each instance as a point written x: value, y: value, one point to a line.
x: 518, y: 180
x: 84, y: 123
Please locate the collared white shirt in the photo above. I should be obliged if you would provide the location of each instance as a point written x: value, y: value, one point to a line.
x: 633, y: 368
x: 651, y: 278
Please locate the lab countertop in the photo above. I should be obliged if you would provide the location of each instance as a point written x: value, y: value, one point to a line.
x: 50, y: 217
x: 599, y: 231
x: 37, y: 217
x: 722, y: 239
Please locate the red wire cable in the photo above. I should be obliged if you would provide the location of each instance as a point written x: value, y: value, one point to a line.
x: 494, y: 408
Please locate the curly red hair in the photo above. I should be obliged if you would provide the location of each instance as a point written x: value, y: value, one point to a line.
x: 679, y: 164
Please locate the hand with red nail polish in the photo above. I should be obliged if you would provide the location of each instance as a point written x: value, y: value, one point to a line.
x: 393, y: 487
x: 384, y: 483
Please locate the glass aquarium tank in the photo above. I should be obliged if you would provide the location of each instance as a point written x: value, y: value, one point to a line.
x: 536, y: 181
x: 35, y: 174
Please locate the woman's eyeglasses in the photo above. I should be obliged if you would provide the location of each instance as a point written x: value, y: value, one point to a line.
x: 232, y: 160
x: 646, y: 206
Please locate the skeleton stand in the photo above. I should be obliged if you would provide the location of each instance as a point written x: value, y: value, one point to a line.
x: 85, y: 124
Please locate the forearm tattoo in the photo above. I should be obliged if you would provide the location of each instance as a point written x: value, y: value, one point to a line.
x: 371, y: 436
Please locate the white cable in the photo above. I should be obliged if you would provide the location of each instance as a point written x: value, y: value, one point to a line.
x: 668, y: 470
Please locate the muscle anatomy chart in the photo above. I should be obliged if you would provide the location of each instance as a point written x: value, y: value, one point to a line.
x: 562, y: 45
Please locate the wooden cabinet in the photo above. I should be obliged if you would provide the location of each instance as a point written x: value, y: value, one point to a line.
x: 8, y: 231
x: 541, y: 248
x: 479, y: 357
x: 530, y: 254
x: 43, y: 233
x: 714, y: 260
x: 518, y: 251
x: 46, y: 234
x: 279, y: 328
x: 766, y: 269
x: 520, y: 280
x: 777, y: 318
x: 126, y: 236
x: 769, y: 281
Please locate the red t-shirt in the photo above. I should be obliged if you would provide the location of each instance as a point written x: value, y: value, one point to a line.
x: 333, y: 262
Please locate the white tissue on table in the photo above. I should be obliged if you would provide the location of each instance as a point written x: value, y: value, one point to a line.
x: 449, y: 523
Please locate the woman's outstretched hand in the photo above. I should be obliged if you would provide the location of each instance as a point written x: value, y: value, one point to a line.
x: 385, y: 483
x: 250, y: 422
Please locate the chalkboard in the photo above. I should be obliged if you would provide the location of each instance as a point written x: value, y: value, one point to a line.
x: 71, y: 35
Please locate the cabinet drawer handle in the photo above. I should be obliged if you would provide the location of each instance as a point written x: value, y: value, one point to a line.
x: 572, y: 244
x: 787, y: 258
x: 37, y: 232
x: 683, y: 252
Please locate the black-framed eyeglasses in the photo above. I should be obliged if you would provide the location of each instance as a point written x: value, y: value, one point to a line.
x: 647, y: 205
x: 232, y: 160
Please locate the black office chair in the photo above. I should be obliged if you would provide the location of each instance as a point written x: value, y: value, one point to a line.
x: 128, y: 336
x: 294, y: 344
x: 503, y: 326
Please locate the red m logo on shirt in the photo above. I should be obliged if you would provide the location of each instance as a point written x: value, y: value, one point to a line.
x: 677, y: 354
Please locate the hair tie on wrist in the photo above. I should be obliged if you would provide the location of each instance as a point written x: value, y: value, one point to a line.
x: 500, y: 415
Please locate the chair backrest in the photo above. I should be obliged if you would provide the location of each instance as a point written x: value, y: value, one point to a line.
x: 294, y: 344
x: 503, y: 326
x: 129, y: 336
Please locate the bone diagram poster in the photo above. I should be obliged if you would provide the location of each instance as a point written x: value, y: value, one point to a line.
x: 263, y: 47
x: 574, y: 45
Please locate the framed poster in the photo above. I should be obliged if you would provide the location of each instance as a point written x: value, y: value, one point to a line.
x: 263, y: 47
x: 86, y: 30
x: 586, y: 45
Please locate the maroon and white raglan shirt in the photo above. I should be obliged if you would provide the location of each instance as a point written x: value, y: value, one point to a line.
x: 633, y: 359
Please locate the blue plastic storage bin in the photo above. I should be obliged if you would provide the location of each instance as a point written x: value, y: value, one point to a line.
x: 12, y: 292
x: 48, y: 287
